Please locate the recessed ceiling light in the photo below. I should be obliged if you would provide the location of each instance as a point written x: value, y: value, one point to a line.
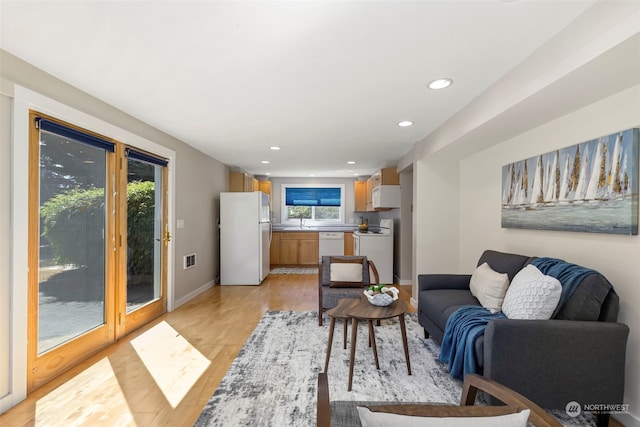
x: 440, y: 83
x: 311, y: 175
x: 405, y: 123
x: 267, y: 173
x: 265, y: 162
x: 351, y: 162
x: 274, y: 148
x: 356, y: 174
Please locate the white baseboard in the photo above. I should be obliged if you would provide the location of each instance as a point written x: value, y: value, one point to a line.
x: 414, y: 302
x: 191, y: 295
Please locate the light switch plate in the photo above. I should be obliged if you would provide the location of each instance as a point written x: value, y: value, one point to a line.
x: 180, y: 223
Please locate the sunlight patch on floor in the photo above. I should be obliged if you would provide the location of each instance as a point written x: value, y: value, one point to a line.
x: 82, y: 401
x: 171, y: 360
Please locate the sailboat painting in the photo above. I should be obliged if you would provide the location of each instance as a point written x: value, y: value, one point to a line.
x: 589, y: 187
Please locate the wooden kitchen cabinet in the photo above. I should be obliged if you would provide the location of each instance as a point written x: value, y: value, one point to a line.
x: 289, y: 251
x: 265, y: 187
x: 242, y: 182
x: 238, y: 181
x: 386, y: 176
x: 274, y: 250
x: 308, y: 252
x: 348, y: 243
x: 360, y: 194
x: 299, y: 248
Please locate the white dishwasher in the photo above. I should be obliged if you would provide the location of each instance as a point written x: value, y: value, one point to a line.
x: 330, y: 243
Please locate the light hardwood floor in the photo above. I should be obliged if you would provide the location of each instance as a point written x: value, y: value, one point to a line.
x: 164, y: 373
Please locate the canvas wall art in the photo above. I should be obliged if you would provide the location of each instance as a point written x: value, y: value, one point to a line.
x: 591, y: 187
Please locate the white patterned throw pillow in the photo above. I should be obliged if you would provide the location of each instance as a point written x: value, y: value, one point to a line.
x: 489, y: 286
x: 532, y: 295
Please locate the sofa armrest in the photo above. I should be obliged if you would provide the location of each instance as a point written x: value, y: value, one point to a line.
x: 428, y: 282
x: 539, y: 358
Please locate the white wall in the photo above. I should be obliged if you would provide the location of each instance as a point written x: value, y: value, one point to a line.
x: 435, y: 218
x: 614, y: 256
x: 404, y: 249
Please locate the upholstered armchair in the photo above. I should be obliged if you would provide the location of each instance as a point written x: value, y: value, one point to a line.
x: 330, y: 291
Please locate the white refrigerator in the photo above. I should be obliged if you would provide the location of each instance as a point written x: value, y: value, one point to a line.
x: 245, y: 238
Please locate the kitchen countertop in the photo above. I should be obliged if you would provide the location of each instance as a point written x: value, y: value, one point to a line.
x: 344, y: 228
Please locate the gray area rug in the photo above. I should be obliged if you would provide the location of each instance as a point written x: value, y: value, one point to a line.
x: 294, y: 270
x: 273, y: 381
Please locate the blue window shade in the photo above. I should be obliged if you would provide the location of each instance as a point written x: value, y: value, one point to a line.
x: 143, y: 157
x: 313, y: 197
x: 76, y: 135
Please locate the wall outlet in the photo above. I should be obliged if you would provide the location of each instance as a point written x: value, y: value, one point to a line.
x: 189, y: 261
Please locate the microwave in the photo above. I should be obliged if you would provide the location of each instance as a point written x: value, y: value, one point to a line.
x: 385, y: 196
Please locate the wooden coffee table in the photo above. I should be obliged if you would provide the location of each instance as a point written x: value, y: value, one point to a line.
x: 364, y: 310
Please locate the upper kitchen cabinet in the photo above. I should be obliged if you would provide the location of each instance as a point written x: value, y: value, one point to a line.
x: 381, y: 191
x: 360, y: 194
x: 240, y: 182
x: 265, y: 187
x: 386, y: 176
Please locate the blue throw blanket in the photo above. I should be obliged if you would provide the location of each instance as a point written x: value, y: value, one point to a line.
x: 569, y: 275
x: 463, y: 327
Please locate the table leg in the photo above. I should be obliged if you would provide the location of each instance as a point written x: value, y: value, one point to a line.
x: 344, y: 339
x: 329, y: 343
x: 354, y: 332
x: 403, y: 330
x: 372, y: 340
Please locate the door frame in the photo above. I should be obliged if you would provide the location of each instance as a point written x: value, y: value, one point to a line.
x: 23, y: 100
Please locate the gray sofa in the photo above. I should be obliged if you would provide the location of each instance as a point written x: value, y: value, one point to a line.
x: 579, y: 355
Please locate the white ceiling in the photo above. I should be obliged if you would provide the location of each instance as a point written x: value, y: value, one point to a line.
x: 326, y: 81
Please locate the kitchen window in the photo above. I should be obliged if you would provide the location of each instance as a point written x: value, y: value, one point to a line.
x: 310, y: 204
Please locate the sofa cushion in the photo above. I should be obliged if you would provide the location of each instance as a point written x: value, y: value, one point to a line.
x: 489, y: 286
x: 532, y: 295
x: 438, y: 304
x: 504, y: 262
x: 586, y: 301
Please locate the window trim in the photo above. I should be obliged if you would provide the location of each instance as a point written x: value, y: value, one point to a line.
x: 312, y: 222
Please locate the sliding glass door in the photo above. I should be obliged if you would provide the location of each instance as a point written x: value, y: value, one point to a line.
x: 96, y: 244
